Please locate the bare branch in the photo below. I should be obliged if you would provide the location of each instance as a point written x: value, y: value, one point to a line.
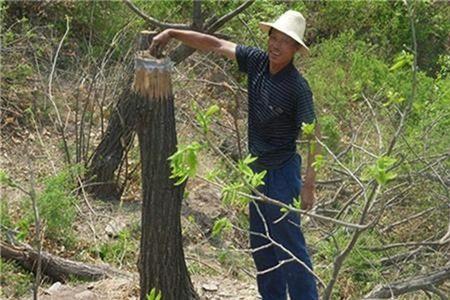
x: 409, y: 244
x: 411, y: 284
x: 284, y: 249
x: 38, y: 235
x: 402, y: 257
x: 152, y: 20
x: 222, y: 20
x: 375, y: 120
x: 390, y: 226
x: 50, y: 95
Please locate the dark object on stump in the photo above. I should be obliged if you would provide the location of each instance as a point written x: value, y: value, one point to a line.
x: 161, y: 261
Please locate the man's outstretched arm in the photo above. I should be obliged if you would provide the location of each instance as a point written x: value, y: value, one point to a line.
x: 194, y: 39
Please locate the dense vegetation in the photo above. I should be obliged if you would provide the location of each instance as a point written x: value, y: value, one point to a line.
x: 379, y: 74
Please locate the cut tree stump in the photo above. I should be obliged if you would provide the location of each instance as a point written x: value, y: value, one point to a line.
x: 161, y: 262
x: 56, y: 268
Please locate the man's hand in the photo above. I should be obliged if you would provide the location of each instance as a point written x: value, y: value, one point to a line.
x: 307, y: 194
x: 159, y: 42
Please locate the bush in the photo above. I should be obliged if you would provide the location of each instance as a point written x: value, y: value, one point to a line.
x: 15, y: 282
x: 56, y: 205
x: 385, y: 24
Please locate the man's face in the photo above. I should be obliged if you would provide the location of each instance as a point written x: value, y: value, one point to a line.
x: 281, y: 47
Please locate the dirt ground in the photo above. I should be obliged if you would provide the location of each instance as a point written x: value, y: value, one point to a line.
x: 214, y: 288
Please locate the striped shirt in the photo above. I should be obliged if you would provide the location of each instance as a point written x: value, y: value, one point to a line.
x: 277, y: 106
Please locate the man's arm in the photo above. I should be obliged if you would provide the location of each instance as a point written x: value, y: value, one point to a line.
x: 196, y: 40
x: 308, y: 189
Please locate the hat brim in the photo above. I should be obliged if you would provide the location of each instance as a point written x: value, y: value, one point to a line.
x: 265, y: 26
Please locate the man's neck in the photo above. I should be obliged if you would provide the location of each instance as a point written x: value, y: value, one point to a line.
x: 275, y: 68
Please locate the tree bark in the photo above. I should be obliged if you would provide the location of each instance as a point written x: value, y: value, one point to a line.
x: 109, y: 153
x: 161, y: 262
x: 57, y: 268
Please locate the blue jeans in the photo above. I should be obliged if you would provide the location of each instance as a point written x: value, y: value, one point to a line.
x: 281, y: 184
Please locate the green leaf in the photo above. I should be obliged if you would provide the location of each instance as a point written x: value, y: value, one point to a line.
x: 319, y: 162
x: 230, y: 192
x: 183, y: 162
x: 393, y: 98
x: 154, y: 295
x: 404, y: 59
x: 221, y: 225
x: 4, y: 178
x: 308, y: 129
x: 380, y: 172
x: 205, y: 118
x: 212, y: 110
x: 297, y: 203
x: 249, y: 159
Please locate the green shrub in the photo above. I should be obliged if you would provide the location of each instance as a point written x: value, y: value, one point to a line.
x: 384, y: 24
x: 56, y: 205
x: 121, y: 251
x: 15, y: 282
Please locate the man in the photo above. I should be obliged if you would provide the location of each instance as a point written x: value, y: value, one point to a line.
x: 279, y: 101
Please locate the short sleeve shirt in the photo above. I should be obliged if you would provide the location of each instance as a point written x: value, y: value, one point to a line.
x: 277, y: 106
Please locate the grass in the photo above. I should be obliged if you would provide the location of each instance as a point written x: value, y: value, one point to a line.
x: 361, y: 270
x: 120, y: 252
x: 15, y: 282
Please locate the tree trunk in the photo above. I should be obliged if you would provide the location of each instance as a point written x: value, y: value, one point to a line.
x: 109, y: 153
x: 161, y: 262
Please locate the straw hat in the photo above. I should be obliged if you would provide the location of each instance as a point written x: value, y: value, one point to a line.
x: 291, y: 23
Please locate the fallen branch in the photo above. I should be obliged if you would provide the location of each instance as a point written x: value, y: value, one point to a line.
x: 57, y: 268
x: 411, y: 284
x: 409, y: 244
x: 402, y: 257
x: 415, y: 216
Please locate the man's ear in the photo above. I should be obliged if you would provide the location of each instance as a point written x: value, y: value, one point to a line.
x: 303, y: 51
